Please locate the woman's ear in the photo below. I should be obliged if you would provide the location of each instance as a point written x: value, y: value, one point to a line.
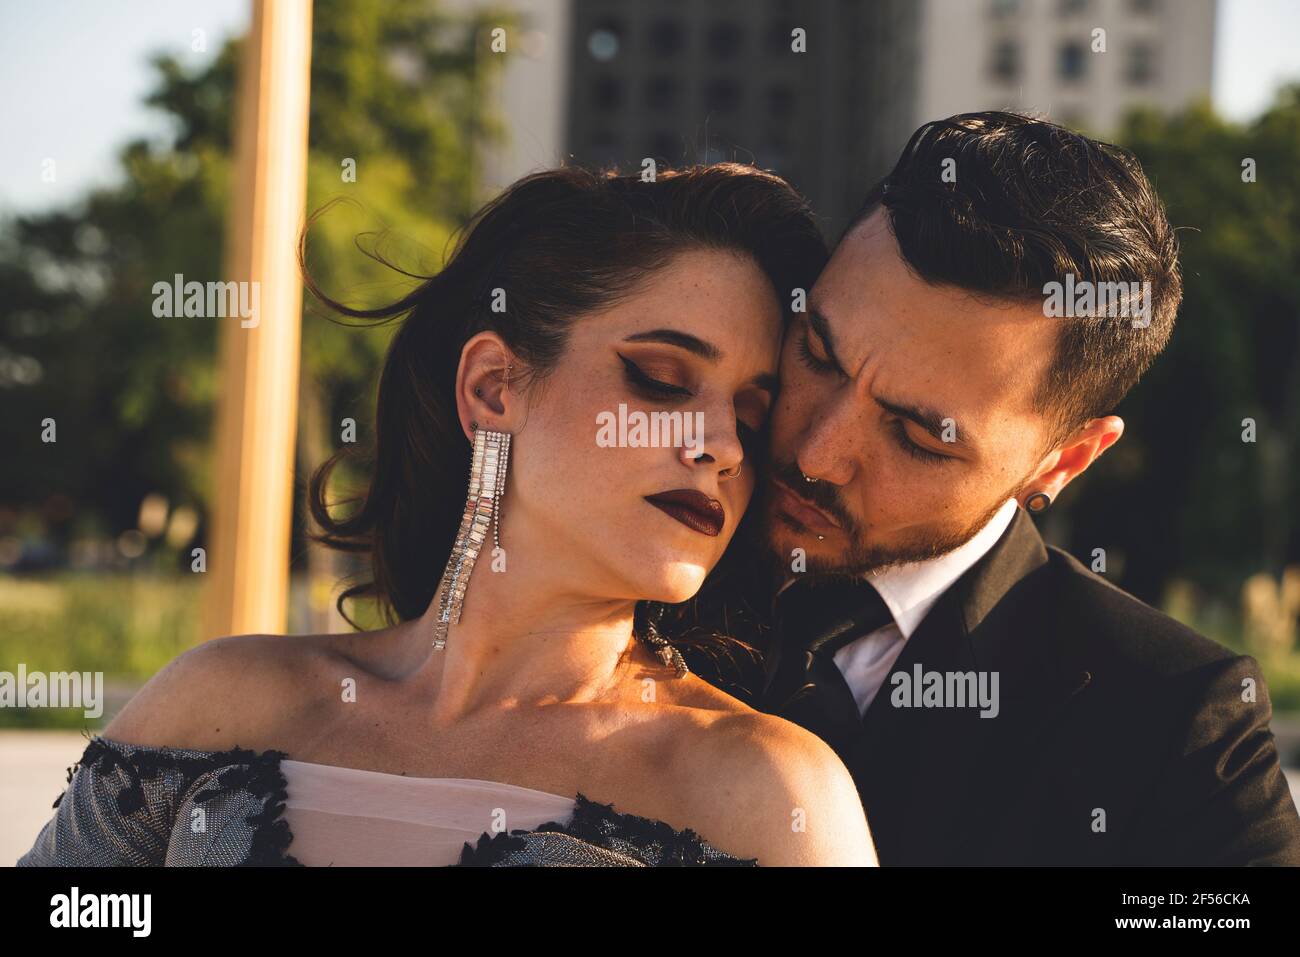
x: 484, y: 398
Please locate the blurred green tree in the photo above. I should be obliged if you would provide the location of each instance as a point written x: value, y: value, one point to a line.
x: 1182, y: 495
x: 400, y: 113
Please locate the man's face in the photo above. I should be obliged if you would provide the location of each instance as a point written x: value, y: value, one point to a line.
x: 875, y: 376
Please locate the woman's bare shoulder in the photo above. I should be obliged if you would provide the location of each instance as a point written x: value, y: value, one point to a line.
x: 236, y: 691
x: 760, y: 786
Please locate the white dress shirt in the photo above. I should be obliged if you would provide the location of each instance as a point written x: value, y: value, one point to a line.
x: 910, y: 591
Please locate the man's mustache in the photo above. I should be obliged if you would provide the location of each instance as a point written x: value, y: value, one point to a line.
x: 822, y: 494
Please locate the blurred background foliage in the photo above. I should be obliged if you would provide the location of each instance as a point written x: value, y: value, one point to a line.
x: 1192, y: 519
x: 398, y: 115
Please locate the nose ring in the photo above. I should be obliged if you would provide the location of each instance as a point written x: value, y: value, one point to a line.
x: 730, y: 474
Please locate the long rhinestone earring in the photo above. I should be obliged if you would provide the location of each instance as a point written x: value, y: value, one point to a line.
x: 487, y: 481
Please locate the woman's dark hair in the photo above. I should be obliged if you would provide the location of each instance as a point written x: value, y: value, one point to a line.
x: 561, y: 243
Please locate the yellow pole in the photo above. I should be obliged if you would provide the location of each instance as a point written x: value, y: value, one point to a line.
x: 252, y: 496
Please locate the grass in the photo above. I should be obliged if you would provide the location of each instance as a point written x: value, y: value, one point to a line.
x: 126, y: 626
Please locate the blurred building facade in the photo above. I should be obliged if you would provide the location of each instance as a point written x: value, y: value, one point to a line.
x: 1045, y: 57
x: 735, y: 80
x: 611, y: 82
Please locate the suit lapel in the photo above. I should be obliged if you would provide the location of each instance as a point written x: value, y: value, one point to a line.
x: 923, y: 770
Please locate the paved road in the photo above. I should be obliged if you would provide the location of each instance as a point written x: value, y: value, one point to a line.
x: 34, y: 769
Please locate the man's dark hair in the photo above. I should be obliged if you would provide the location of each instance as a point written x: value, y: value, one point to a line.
x: 1031, y: 202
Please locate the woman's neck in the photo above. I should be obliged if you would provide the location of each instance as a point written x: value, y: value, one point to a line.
x: 522, y: 644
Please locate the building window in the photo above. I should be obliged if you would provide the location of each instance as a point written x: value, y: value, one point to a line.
x: 1006, y: 61
x: 777, y: 38
x: 722, y: 95
x: 1004, y: 8
x: 667, y: 38
x: 1144, y: 6
x: 1073, y: 7
x: 607, y: 93
x: 1072, y: 62
x: 1140, y: 70
x: 661, y: 93
x: 724, y: 40
x: 604, y: 41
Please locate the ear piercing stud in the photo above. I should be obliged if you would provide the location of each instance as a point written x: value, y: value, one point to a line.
x: 1038, y: 502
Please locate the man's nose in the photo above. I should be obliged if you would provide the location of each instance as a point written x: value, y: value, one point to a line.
x: 827, y: 449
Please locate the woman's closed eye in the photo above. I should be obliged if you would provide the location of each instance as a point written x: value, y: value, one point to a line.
x: 753, y: 438
x: 649, y: 386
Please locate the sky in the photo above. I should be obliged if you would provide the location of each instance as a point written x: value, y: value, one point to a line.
x: 74, y: 74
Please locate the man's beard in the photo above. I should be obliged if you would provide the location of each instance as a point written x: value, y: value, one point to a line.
x: 862, y: 557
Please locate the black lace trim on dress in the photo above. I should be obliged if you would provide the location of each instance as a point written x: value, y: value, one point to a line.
x: 491, y: 848
x: 656, y: 842
x: 259, y: 774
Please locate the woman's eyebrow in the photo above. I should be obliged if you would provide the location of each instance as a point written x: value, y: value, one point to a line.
x: 767, y: 381
x: 683, y: 340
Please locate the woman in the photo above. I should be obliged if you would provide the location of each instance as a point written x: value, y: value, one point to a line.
x: 528, y: 706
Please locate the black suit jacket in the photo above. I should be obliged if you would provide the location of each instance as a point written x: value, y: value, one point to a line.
x: 1122, y: 737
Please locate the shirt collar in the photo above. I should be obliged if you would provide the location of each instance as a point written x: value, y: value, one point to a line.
x: 911, y: 590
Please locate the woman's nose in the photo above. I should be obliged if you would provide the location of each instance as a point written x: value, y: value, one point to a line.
x: 726, y: 454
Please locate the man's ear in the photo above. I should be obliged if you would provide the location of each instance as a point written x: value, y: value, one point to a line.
x: 484, y: 397
x: 1070, y: 460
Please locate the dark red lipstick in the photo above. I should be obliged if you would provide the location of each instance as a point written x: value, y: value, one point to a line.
x: 693, y: 509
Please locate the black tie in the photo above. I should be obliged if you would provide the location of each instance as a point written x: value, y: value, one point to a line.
x: 813, y: 620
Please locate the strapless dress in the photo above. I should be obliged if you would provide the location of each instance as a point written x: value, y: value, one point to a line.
x: 355, y: 818
x: 135, y: 805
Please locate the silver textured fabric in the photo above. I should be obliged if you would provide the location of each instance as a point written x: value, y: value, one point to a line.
x: 130, y: 805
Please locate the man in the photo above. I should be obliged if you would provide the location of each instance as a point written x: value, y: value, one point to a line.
x: 996, y: 701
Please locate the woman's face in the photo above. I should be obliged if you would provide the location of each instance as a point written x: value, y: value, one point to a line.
x: 691, y: 357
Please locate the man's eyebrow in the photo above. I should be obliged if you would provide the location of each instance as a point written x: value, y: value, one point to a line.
x: 928, y: 419
x: 683, y: 340
x: 817, y: 320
